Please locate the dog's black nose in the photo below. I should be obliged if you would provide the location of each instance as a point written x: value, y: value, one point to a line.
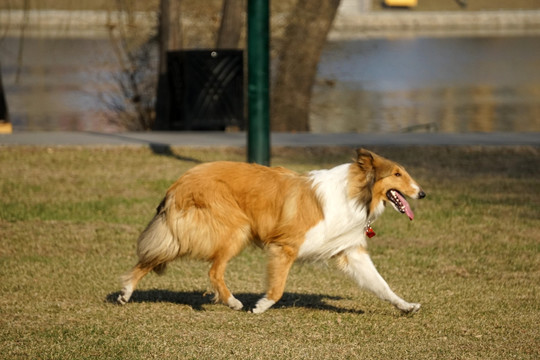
x: 421, y: 195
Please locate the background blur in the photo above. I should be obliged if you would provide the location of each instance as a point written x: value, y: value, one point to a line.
x: 443, y: 65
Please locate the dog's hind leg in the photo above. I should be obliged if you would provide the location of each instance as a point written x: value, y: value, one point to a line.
x: 230, y: 245
x: 130, y: 281
x: 359, y: 266
x: 217, y: 278
x: 280, y: 261
x: 156, y: 247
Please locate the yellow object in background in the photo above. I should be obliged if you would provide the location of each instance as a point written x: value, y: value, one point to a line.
x: 5, y: 127
x: 402, y: 3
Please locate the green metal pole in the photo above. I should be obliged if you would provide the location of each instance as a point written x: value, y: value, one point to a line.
x: 258, y: 82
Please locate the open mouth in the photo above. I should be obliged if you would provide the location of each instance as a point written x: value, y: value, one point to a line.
x: 399, y: 203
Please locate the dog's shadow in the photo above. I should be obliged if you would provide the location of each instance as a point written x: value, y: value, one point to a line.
x: 197, y: 300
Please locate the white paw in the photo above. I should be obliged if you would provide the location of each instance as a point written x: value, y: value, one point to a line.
x: 410, y: 308
x: 122, y: 300
x: 263, y: 305
x: 124, y: 296
x: 234, y: 303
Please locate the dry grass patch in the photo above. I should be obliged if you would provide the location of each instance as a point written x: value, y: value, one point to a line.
x: 69, y: 218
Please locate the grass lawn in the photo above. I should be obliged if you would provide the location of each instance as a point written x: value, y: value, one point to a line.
x: 70, y: 216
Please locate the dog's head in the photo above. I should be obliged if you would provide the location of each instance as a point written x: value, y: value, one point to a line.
x: 389, y: 182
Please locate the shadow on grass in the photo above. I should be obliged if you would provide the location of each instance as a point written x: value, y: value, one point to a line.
x: 166, y: 150
x: 157, y: 148
x: 197, y: 299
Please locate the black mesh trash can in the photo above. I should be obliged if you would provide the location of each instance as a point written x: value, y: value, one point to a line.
x: 206, y: 89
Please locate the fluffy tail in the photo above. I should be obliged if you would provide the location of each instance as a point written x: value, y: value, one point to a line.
x: 156, y: 245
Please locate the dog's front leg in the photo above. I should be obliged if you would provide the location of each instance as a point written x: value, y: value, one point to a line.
x: 358, y: 264
x: 280, y: 260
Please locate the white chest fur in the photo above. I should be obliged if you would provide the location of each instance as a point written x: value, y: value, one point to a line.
x: 344, y: 222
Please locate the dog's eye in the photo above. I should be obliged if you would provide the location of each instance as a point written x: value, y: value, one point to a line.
x: 397, y: 174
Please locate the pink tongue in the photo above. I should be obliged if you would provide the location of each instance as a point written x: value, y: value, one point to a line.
x: 408, y: 209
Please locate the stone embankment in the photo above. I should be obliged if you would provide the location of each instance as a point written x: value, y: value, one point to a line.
x: 352, y: 24
x: 489, y: 22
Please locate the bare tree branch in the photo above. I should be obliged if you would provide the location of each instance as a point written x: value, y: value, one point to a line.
x: 20, y: 52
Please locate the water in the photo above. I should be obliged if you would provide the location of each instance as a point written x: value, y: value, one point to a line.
x: 445, y: 84
x: 61, y: 83
x: 461, y: 84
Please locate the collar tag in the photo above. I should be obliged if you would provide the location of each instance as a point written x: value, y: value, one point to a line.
x: 370, y: 232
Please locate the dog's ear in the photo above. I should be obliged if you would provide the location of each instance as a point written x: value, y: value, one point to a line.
x: 364, y: 158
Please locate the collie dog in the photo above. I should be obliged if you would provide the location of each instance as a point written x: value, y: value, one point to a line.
x: 216, y: 209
